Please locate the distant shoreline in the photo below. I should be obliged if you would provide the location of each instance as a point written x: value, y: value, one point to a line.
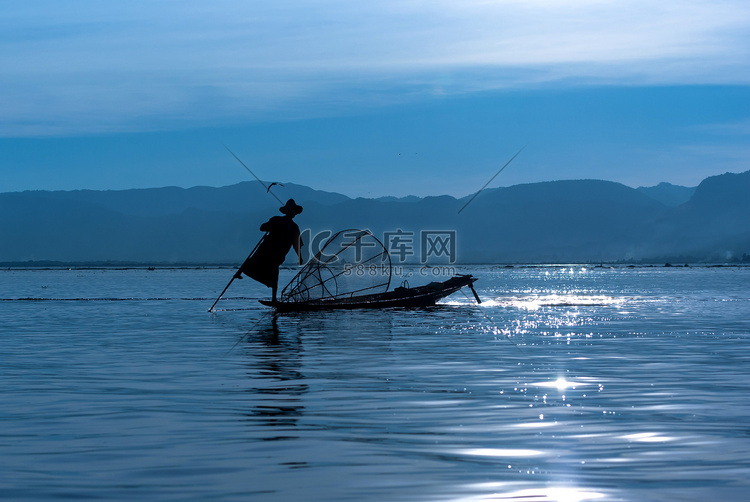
x: 56, y: 265
x: 45, y: 265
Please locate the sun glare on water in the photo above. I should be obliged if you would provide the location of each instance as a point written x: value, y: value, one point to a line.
x: 560, y: 384
x: 548, y: 494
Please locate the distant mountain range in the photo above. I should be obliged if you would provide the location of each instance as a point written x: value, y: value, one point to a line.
x: 552, y: 222
x: 668, y: 194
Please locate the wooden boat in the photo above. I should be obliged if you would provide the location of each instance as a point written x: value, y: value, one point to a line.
x: 353, y: 271
x: 421, y: 296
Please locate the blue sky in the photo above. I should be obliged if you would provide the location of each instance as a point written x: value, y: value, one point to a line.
x: 371, y: 98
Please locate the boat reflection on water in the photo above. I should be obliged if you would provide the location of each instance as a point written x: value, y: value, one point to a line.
x: 278, y: 385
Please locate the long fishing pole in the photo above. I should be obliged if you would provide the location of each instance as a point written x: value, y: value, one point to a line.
x: 268, y: 188
x: 495, y: 176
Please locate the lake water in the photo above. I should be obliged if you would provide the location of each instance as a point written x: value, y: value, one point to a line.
x: 568, y: 383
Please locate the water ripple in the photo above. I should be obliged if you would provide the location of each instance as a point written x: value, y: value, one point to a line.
x: 567, y: 384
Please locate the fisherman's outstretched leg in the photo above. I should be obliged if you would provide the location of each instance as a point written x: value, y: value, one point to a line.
x: 243, y: 269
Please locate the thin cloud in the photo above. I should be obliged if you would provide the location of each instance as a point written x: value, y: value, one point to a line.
x: 737, y: 128
x: 85, y: 66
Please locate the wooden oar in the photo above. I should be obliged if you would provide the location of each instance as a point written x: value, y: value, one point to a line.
x: 476, y: 296
x: 233, y: 277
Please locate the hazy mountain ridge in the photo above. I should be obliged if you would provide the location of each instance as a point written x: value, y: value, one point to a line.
x: 668, y: 194
x: 715, y: 222
x: 589, y: 220
x: 241, y: 198
x: 559, y: 221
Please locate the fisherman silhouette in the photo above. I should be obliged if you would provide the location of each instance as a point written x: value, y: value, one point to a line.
x: 282, y: 233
